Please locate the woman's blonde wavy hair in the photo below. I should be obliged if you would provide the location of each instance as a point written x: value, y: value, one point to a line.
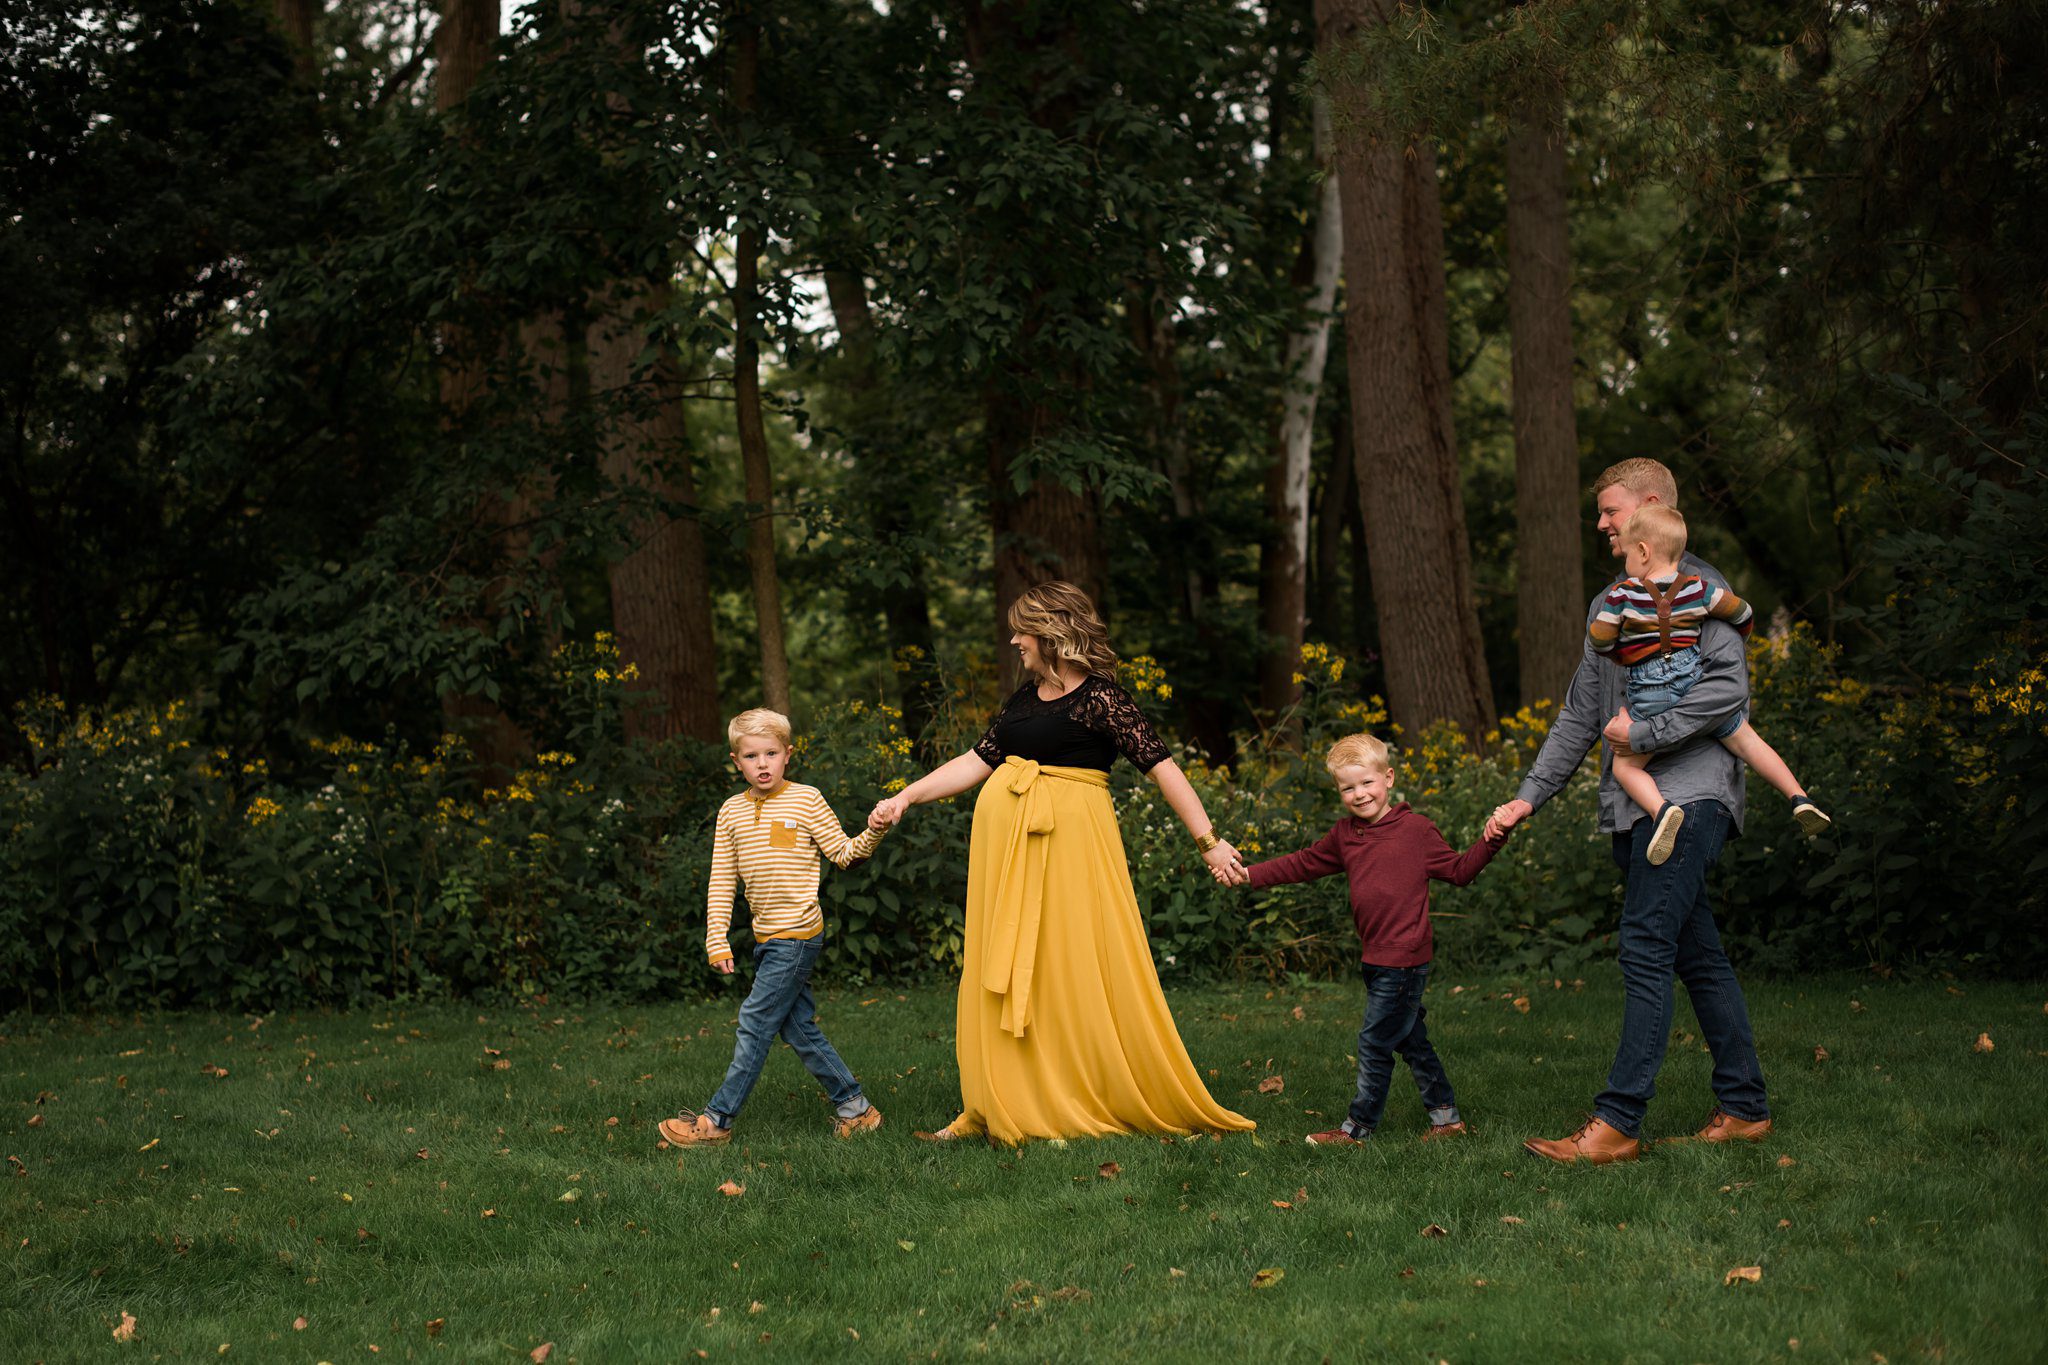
x: 1066, y: 625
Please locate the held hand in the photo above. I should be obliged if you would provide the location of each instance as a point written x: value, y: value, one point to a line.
x: 1506, y: 816
x: 888, y: 811
x: 1226, y: 866
x: 1617, y: 731
x: 725, y: 967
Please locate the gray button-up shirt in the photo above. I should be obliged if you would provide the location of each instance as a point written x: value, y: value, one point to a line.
x: 1690, y: 764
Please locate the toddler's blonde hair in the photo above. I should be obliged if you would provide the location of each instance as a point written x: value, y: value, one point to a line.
x: 1365, y: 751
x: 1659, y: 527
x: 759, y: 721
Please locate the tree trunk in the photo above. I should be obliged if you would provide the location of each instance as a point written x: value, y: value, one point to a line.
x: 1334, y: 511
x: 1043, y: 533
x: 463, y: 51
x: 296, y: 19
x: 1283, y: 572
x: 1550, y: 594
x: 660, y: 586
x: 1396, y: 334
x: 747, y: 395
x: 906, y: 606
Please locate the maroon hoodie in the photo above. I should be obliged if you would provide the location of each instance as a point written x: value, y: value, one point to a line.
x: 1389, y: 864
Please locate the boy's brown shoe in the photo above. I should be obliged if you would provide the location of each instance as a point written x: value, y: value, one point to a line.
x: 1335, y: 1137
x: 1725, y: 1127
x: 1597, y: 1141
x: 864, y: 1122
x: 1439, y: 1131
x: 1664, y: 838
x: 693, y: 1130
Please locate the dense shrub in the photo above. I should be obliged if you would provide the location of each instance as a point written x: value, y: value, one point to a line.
x: 139, y: 866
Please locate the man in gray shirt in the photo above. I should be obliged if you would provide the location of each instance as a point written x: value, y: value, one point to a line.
x: 1667, y: 920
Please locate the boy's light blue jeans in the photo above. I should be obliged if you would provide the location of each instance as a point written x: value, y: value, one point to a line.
x: 1658, y: 683
x: 781, y: 1002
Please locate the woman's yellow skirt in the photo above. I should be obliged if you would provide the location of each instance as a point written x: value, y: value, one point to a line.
x: 1063, y: 1030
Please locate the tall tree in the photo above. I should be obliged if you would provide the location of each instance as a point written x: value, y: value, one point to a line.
x: 745, y: 37
x: 1395, y: 331
x: 1283, y: 565
x: 297, y: 18
x: 1550, y: 600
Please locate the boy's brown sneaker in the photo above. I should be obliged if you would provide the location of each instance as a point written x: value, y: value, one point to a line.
x: 693, y: 1130
x: 1813, y: 821
x: 1665, y: 837
x: 1438, y: 1131
x: 1335, y: 1137
x: 865, y: 1122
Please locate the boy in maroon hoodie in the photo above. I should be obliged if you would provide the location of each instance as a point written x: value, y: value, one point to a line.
x: 1389, y: 854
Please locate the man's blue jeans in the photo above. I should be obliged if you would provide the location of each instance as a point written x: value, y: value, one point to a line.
x: 1394, y: 1016
x: 1667, y: 928
x: 781, y: 1003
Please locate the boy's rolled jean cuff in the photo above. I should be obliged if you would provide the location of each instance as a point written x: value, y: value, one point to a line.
x: 1448, y: 1114
x: 853, y: 1108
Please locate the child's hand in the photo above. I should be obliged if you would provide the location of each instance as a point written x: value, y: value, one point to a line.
x: 1505, y: 817
x: 725, y: 967
x: 888, y: 811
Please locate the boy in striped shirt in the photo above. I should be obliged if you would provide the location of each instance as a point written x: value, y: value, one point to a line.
x: 769, y: 838
x: 1650, y: 623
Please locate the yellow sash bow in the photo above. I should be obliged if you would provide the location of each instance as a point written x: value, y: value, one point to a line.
x: 1020, y: 885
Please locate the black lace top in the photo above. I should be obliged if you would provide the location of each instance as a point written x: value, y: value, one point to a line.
x: 1086, y: 728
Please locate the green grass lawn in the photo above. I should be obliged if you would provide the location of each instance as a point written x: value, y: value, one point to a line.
x: 471, y: 1184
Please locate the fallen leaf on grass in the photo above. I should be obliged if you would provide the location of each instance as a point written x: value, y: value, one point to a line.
x: 1407, y: 1273
x: 539, y: 1354
x: 1282, y: 1204
x: 1109, y: 1170
x: 217, y: 1072
x: 126, y: 1331
x: 755, y: 1307
x: 1267, y: 1278
x: 1511, y: 1220
x: 155, y: 1140
x: 1436, y: 1230
x: 1174, y: 1272
x: 1272, y: 1085
x: 907, y: 1246
x: 35, y: 1120
x: 434, y: 1326
x: 1785, y: 1161
x: 489, y: 1213
x: 1297, y: 1012
x: 1072, y: 1293
x: 1820, y: 1054
x: 1784, y: 1222
x: 1983, y: 1043
x: 1751, y: 1273
x: 422, y: 1154
x: 568, y: 1196
x: 298, y: 1324
x: 1301, y: 1195
x: 732, y: 1189
x: 1522, y: 1003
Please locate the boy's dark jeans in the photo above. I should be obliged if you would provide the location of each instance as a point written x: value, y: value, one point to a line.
x: 781, y: 1002
x: 1667, y: 928
x: 1394, y: 1017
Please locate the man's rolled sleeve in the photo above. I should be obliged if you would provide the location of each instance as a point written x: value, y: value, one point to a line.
x: 1576, y: 729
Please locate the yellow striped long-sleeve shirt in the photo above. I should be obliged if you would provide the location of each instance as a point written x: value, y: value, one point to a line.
x: 771, y: 843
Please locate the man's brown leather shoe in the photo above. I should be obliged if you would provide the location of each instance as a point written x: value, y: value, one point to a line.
x: 1597, y: 1141
x: 1724, y: 1127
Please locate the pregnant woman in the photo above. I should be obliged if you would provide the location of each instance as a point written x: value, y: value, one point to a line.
x: 1062, y: 1028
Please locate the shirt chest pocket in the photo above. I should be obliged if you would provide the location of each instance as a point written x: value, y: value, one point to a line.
x: 781, y: 834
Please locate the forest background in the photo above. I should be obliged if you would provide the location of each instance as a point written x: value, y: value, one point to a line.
x: 423, y: 427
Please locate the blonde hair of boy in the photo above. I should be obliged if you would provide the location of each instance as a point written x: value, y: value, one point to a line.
x: 1362, y: 751
x: 759, y: 721
x: 1659, y: 527
x: 1645, y: 477
x: 1069, y: 630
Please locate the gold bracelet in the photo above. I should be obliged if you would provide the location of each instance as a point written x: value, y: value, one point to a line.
x: 1206, y: 840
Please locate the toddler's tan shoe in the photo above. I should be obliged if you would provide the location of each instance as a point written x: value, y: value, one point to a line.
x: 1335, y: 1137
x: 1439, y: 1131
x: 1597, y: 1141
x: 693, y: 1130
x: 1664, y: 838
x: 864, y: 1122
